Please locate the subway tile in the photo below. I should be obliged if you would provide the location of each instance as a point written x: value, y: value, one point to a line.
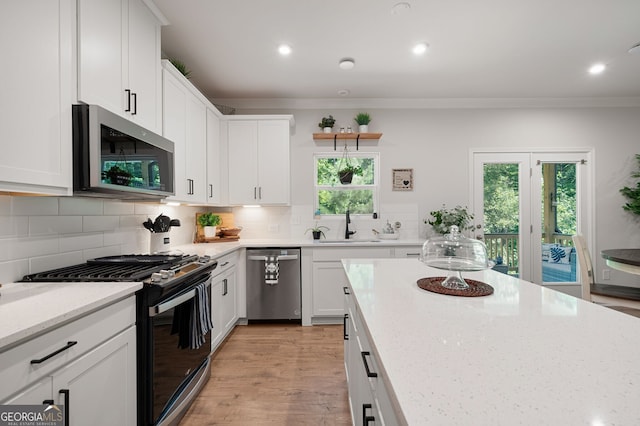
x: 45, y: 263
x: 13, y: 271
x: 100, y: 223
x: 149, y: 209
x: 5, y: 205
x: 80, y: 242
x: 133, y: 221
x: 52, y: 225
x: 114, y: 238
x: 14, y: 226
x: 101, y: 252
x: 78, y: 206
x: 35, y: 206
x: 118, y: 208
x: 25, y: 247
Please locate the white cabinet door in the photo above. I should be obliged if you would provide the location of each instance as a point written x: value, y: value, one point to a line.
x: 328, y: 282
x: 119, y: 59
x: 273, y: 161
x: 259, y: 170
x: 217, y: 333
x: 184, y: 123
x: 101, y: 384
x: 243, y: 162
x: 229, y: 304
x: 35, y: 106
x: 144, y: 72
x: 215, y: 190
x: 37, y: 393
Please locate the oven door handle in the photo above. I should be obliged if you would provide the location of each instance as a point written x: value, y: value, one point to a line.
x: 175, y: 301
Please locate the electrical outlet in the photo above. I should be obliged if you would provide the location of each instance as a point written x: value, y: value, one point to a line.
x: 606, y: 274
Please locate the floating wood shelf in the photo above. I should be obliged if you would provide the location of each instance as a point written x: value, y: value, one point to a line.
x: 346, y: 136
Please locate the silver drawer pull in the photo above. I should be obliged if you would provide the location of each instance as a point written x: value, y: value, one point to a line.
x: 173, y: 302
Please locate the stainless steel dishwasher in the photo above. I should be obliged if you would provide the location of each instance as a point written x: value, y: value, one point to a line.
x: 273, y: 284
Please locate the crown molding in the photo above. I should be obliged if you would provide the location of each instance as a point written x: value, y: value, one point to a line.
x: 406, y: 103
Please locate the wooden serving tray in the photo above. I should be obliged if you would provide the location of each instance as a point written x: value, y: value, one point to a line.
x: 226, y: 222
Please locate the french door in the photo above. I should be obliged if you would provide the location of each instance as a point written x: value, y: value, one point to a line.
x: 530, y: 204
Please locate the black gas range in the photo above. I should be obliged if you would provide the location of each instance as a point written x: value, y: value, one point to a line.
x: 173, y: 364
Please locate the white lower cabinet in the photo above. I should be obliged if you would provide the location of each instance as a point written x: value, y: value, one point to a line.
x: 224, y: 305
x: 368, y: 397
x: 88, y: 366
x: 329, y: 279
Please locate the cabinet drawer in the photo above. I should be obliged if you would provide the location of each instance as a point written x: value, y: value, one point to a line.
x: 409, y: 252
x: 17, y: 369
x: 338, y: 253
x: 225, y: 263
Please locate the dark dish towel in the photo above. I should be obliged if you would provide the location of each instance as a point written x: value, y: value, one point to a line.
x: 201, y: 322
x: 271, y: 270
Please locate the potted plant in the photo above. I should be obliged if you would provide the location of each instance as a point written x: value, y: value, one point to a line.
x: 326, y: 124
x: 317, y: 231
x: 117, y: 176
x: 209, y: 222
x: 444, y: 218
x: 632, y: 194
x: 346, y: 172
x: 363, y: 119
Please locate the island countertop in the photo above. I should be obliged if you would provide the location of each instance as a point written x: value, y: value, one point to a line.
x: 523, y: 355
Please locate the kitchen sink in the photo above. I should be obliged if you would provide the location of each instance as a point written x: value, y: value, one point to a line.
x: 346, y: 241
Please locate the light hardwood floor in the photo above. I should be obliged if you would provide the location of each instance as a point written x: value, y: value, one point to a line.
x: 276, y: 374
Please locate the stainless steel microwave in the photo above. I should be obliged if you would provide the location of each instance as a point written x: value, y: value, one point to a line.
x: 116, y: 158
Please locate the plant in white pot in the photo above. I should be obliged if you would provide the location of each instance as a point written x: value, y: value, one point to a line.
x: 209, y: 223
x: 326, y: 124
x: 363, y: 119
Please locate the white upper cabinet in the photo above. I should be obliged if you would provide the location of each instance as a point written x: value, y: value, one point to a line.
x: 185, y: 123
x: 216, y: 161
x: 36, y: 39
x: 259, y: 169
x: 119, y: 59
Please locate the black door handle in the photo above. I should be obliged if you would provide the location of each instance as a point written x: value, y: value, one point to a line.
x: 135, y: 103
x: 52, y: 354
x: 128, y: 92
x: 345, y: 335
x: 67, y: 398
x: 366, y: 365
x: 345, y: 289
x: 366, y: 419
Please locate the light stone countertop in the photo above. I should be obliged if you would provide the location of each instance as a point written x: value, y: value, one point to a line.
x: 29, y: 309
x: 523, y: 355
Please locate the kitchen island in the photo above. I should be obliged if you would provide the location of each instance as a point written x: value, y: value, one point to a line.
x: 525, y: 354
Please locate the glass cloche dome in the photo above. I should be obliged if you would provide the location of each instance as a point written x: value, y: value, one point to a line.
x: 455, y: 253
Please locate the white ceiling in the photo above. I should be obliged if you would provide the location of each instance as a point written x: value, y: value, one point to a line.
x: 508, y: 49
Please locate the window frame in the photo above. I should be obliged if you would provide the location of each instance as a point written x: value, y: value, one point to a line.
x: 375, y: 187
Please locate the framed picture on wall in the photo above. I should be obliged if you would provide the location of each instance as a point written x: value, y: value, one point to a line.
x: 403, y: 179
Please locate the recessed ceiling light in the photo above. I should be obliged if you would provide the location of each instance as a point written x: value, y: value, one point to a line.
x: 347, y: 63
x: 284, y: 49
x: 420, y: 48
x: 597, y: 68
x: 343, y: 92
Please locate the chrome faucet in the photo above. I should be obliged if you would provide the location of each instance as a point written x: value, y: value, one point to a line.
x: 346, y: 230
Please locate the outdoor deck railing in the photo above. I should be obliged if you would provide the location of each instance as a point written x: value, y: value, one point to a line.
x: 506, y: 246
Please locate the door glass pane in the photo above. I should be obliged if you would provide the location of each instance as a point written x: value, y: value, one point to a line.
x: 501, y: 215
x: 558, y: 212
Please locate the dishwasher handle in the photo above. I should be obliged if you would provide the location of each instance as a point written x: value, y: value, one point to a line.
x: 278, y: 258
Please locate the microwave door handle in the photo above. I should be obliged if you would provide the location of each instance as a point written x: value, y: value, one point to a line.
x: 175, y: 301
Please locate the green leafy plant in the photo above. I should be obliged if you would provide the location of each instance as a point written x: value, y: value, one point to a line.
x: 327, y: 122
x: 362, y: 118
x: 444, y: 218
x: 350, y: 168
x: 633, y: 194
x: 117, y: 175
x: 209, y: 219
x: 317, y: 231
x: 180, y: 66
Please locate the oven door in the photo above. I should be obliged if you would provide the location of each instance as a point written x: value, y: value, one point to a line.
x: 179, y: 371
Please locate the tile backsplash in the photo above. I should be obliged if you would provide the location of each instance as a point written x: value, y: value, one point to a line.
x: 41, y: 233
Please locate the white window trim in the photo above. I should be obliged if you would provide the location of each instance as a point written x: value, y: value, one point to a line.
x: 375, y: 187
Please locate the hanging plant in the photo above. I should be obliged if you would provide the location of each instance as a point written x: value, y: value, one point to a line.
x: 346, y: 170
x: 633, y: 194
